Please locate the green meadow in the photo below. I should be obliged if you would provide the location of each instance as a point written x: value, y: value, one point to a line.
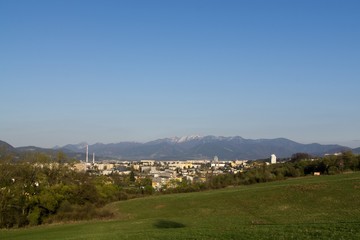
x: 317, y: 207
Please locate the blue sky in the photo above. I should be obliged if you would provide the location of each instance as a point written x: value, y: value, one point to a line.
x: 111, y: 71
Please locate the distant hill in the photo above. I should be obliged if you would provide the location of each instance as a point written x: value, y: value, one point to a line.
x: 197, y: 147
x: 356, y: 150
x: 17, y: 152
x: 34, y: 149
x: 5, y: 147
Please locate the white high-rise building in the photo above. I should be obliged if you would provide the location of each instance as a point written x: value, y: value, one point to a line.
x: 272, y: 159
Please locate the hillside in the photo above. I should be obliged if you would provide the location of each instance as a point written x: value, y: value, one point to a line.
x: 356, y: 150
x: 324, y: 207
x: 5, y: 147
x: 18, y: 152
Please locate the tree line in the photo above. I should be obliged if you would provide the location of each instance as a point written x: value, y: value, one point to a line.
x: 42, y: 189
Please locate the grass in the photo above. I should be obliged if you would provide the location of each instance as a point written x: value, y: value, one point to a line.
x: 325, y: 207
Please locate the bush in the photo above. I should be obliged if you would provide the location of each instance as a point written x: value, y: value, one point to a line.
x: 68, y: 213
x: 34, y: 217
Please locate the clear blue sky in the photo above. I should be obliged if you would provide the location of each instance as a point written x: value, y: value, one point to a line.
x: 111, y: 71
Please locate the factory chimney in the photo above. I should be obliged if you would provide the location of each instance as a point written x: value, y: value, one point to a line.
x: 87, y: 153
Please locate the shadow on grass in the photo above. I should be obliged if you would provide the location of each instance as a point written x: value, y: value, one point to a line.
x: 168, y: 224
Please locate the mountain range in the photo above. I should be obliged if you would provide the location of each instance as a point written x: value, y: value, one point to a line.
x: 205, y: 147
x: 192, y: 147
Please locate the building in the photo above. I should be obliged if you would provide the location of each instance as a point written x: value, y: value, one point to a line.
x: 272, y: 159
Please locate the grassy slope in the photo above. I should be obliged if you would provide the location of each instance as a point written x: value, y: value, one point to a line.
x: 325, y: 207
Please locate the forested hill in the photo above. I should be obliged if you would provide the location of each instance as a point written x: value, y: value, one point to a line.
x: 356, y: 150
x: 5, y: 147
x: 9, y: 152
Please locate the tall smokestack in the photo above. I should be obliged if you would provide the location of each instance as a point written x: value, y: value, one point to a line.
x: 93, y: 158
x: 87, y: 153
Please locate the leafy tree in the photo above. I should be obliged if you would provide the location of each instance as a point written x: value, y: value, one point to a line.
x: 132, y: 176
x: 300, y: 156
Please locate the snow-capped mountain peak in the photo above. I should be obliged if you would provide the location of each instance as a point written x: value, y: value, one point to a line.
x: 185, y: 138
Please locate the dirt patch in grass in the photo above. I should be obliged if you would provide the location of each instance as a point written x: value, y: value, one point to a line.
x: 159, y: 206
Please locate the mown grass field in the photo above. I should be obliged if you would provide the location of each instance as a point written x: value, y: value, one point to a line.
x: 322, y: 207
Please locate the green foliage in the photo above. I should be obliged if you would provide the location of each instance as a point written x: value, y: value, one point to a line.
x: 33, y: 193
x: 300, y: 156
x: 132, y: 176
x: 34, y: 216
x: 73, y: 212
